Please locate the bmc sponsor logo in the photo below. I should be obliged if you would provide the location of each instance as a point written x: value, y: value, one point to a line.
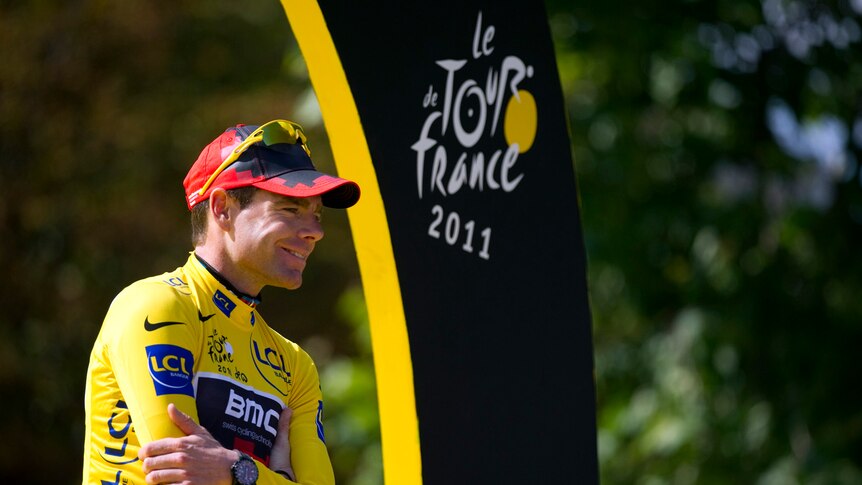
x: 225, y: 304
x: 250, y: 411
x: 238, y: 416
x: 171, y: 369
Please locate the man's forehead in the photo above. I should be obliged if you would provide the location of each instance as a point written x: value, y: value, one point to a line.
x: 313, y: 201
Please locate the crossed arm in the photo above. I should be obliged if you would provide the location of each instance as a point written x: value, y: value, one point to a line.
x: 198, y: 458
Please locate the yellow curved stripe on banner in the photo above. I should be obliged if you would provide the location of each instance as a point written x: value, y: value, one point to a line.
x: 399, y: 426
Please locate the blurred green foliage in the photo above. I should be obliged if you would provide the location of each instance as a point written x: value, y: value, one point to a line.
x: 717, y: 151
x: 716, y: 146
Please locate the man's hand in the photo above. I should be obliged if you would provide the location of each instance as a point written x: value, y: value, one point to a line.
x: 196, y: 458
x: 279, y: 459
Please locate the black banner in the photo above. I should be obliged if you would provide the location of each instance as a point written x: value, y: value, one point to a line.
x: 463, y: 115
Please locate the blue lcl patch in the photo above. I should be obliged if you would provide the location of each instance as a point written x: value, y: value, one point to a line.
x: 225, y: 304
x: 171, y: 369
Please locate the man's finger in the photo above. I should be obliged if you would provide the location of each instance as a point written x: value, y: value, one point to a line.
x: 185, y: 422
x: 284, y: 420
x: 158, y: 448
x: 279, y: 458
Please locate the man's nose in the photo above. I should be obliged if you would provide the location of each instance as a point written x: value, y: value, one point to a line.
x: 312, y: 229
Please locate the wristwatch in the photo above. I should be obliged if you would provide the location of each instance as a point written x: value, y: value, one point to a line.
x: 244, y: 471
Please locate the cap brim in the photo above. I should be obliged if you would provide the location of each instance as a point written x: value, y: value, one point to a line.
x: 335, y: 192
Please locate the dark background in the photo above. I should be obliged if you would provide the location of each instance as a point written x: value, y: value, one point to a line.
x: 716, y: 146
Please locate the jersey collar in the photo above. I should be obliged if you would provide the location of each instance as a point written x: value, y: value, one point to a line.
x: 249, y: 300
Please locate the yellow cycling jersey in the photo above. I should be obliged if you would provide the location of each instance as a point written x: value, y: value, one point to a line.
x: 185, y: 338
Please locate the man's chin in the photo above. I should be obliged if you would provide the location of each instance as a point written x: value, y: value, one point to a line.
x: 289, y: 283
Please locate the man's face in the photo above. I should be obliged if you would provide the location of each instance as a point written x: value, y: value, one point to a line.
x: 273, y: 237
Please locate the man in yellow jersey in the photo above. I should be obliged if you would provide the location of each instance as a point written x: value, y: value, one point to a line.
x: 186, y: 381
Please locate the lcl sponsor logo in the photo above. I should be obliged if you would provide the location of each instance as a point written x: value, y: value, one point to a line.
x: 269, y: 357
x: 319, y: 421
x: 270, y: 364
x: 171, y: 369
x: 178, y: 284
x: 117, y: 480
x: 119, y: 425
x: 225, y: 304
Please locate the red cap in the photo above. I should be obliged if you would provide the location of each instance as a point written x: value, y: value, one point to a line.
x: 282, y: 167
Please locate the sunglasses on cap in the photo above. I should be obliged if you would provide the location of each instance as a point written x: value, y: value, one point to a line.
x: 271, y: 133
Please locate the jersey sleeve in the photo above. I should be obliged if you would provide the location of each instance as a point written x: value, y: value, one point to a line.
x: 152, y: 341
x: 308, y: 453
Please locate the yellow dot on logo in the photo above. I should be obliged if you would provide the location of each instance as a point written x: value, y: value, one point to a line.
x: 519, y: 122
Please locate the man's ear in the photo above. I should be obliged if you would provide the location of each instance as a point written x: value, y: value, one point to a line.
x: 222, y: 208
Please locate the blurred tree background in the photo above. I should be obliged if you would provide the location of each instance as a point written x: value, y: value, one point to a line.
x: 717, y: 151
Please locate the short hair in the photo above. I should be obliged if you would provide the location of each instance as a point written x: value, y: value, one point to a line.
x: 243, y: 195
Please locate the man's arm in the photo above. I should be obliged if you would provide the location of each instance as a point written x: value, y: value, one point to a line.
x: 192, y: 459
x: 152, y: 342
x: 198, y: 458
x: 298, y: 452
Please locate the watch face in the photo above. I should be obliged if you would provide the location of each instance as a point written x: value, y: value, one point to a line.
x: 245, y: 471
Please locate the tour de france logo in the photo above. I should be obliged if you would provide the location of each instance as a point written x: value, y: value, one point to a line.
x: 462, y: 112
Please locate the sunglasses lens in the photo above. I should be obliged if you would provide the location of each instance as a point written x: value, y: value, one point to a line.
x: 282, y: 132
